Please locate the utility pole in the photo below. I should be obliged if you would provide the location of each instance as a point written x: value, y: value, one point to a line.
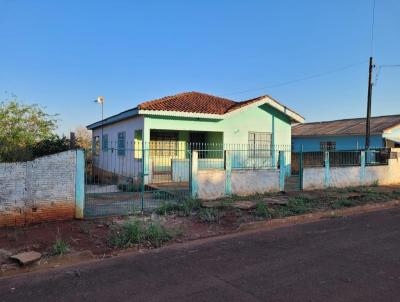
x: 368, y: 122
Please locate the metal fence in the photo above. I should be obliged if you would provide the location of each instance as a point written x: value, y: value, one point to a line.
x: 377, y: 156
x: 129, y: 177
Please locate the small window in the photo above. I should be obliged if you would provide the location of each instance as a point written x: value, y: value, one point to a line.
x: 138, y: 144
x: 105, y: 142
x: 121, y: 143
x: 327, y: 146
x: 96, y: 145
x: 260, y: 144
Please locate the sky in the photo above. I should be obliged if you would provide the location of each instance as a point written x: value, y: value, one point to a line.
x: 63, y: 54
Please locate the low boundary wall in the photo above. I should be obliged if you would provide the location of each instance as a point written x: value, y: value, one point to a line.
x: 45, y: 189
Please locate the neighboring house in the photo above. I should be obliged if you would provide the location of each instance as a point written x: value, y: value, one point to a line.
x: 171, y: 123
x: 346, y: 134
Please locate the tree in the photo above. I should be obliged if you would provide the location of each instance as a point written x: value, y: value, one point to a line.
x: 83, y: 137
x: 21, y: 128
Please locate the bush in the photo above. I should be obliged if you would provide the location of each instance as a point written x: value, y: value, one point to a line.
x: 342, y: 203
x: 59, y: 248
x: 262, y: 210
x: 139, y: 232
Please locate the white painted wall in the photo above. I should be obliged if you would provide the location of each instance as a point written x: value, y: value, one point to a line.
x: 250, y: 182
x: 126, y: 165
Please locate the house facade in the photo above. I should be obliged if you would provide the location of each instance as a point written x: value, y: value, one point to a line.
x: 159, y: 134
x: 346, y: 134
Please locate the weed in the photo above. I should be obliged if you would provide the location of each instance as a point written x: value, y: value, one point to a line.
x: 375, y: 183
x: 138, y: 232
x: 167, y: 208
x: 60, y: 247
x: 210, y: 215
x: 295, y: 206
x: 342, y: 203
x: 262, y: 210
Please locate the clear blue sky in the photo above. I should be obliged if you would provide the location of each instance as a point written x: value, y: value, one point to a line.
x: 63, y: 54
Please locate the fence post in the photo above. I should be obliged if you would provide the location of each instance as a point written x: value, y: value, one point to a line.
x: 327, y: 179
x: 362, y: 168
x: 193, y: 172
x: 79, y: 184
x: 301, y: 168
x: 228, y: 172
x: 282, y: 171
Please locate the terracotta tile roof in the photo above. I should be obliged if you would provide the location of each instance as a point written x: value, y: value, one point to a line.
x: 195, y: 102
x: 355, y: 126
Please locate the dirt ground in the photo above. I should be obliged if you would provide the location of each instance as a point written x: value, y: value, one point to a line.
x: 89, y: 239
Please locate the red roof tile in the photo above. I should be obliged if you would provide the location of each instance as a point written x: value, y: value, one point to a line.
x: 194, y: 102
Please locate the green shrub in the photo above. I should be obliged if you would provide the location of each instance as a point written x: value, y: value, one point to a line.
x: 59, y: 248
x: 184, y: 208
x: 342, y: 203
x: 137, y: 232
x: 210, y: 215
x: 167, y: 208
x: 262, y: 210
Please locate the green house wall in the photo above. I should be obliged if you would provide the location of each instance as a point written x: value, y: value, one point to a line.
x: 234, y: 128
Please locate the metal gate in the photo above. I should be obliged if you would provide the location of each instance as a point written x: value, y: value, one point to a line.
x: 121, y: 181
x: 294, y: 182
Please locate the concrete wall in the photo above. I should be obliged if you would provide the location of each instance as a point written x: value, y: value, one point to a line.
x: 250, y: 182
x: 319, y: 178
x: 214, y: 183
x: 40, y: 190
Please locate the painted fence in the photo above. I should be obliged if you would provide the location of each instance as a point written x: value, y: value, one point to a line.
x: 363, y: 174
x: 45, y: 189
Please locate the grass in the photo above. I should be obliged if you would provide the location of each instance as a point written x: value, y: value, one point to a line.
x: 343, y: 203
x: 59, y: 248
x: 139, y: 232
x: 262, y: 210
x: 210, y: 215
x: 184, y: 208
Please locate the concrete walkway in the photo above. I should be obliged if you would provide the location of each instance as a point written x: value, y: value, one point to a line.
x: 341, y: 259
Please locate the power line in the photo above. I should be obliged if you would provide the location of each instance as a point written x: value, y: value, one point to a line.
x: 380, y: 67
x: 317, y: 75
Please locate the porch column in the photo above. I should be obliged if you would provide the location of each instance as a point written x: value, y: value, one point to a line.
x: 228, y: 172
x: 362, y: 167
x: 282, y: 171
x: 79, y: 184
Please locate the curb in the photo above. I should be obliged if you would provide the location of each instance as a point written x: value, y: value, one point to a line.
x: 317, y: 216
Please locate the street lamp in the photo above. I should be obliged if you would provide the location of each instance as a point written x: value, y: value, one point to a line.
x: 100, y: 100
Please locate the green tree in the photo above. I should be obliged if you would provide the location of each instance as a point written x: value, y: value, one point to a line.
x: 21, y: 128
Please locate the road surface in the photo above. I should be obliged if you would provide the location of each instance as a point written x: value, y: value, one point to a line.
x: 342, y: 259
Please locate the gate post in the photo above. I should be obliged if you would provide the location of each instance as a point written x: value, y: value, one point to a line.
x: 362, y: 168
x: 193, y: 174
x: 79, y: 184
x: 282, y: 171
x: 327, y: 178
x: 228, y: 172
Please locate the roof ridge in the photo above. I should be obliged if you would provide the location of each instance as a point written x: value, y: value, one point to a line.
x: 348, y: 119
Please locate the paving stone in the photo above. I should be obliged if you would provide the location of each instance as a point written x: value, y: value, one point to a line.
x: 278, y: 201
x: 26, y: 258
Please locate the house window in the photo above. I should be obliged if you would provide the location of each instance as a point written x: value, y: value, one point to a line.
x: 327, y: 146
x: 121, y: 143
x: 260, y: 144
x: 96, y: 145
x: 138, y: 144
x: 163, y: 143
x: 105, y: 142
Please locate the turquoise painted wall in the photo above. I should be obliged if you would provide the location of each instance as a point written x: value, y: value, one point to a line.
x: 342, y: 142
x: 235, y: 128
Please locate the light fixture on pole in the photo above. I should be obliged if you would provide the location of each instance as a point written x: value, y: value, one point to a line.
x: 100, y: 100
